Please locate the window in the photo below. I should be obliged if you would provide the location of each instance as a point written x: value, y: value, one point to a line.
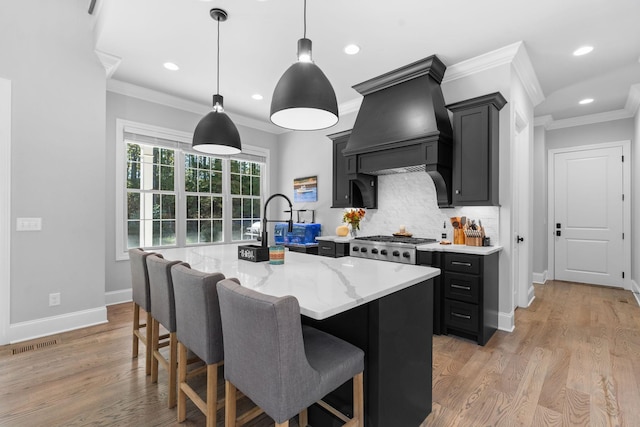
x: 245, y: 199
x: 151, y: 197
x: 203, y: 188
x: 168, y: 195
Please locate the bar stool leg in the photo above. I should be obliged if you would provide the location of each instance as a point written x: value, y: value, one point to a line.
x: 136, y: 328
x: 173, y: 369
x: 229, y: 405
x: 148, y: 337
x: 212, y: 394
x: 155, y: 333
x: 358, y: 398
x: 303, y: 418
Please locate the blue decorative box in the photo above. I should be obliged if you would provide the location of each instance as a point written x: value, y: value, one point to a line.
x: 303, y: 234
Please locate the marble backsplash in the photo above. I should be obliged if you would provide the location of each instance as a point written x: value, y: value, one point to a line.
x: 409, y: 199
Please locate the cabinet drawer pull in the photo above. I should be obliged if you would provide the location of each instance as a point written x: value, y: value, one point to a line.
x: 326, y: 248
x: 466, y: 288
x: 466, y: 264
x: 462, y: 316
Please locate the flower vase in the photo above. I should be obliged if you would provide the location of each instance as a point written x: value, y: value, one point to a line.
x: 353, y: 232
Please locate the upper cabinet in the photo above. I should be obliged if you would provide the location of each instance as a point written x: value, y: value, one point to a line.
x: 476, y: 150
x: 350, y: 189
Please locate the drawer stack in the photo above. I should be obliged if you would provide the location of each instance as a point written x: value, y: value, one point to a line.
x: 470, y: 295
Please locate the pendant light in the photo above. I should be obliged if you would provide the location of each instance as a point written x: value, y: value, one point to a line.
x: 304, y: 98
x: 216, y: 133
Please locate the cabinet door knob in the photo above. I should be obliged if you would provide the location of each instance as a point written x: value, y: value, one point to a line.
x: 457, y: 191
x: 346, y: 196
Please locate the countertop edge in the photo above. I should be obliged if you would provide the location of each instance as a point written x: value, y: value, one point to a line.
x: 316, y: 315
x: 463, y: 249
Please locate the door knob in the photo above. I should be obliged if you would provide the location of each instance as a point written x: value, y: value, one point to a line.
x: 519, y: 239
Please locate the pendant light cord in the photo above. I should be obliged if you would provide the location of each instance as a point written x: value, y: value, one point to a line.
x: 305, y: 19
x: 218, y: 59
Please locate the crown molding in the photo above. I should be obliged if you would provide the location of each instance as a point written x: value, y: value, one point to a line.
x: 589, y: 119
x: 514, y: 54
x: 633, y: 100
x: 109, y: 62
x: 524, y: 68
x: 150, y: 95
x: 483, y: 62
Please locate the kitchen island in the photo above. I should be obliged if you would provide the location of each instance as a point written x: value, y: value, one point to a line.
x: 384, y: 308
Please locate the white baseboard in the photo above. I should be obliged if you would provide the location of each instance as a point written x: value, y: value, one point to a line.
x: 56, y: 324
x: 506, y: 321
x: 540, y: 278
x: 636, y: 290
x: 118, y: 297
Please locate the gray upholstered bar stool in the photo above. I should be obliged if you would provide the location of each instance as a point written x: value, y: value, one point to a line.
x: 141, y: 299
x: 282, y: 366
x: 199, y: 330
x: 163, y: 312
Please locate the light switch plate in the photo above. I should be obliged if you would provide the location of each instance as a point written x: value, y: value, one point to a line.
x: 28, y: 224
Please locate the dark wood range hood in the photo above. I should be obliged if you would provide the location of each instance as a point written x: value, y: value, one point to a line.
x: 403, y: 126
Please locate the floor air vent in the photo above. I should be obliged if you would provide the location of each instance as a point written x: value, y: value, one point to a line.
x: 34, y: 346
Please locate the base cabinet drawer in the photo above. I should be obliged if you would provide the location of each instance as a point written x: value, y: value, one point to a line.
x: 461, y: 315
x: 462, y: 263
x: 333, y: 249
x: 462, y: 287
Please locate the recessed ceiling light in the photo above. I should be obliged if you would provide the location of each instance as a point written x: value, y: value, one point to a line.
x: 351, y: 49
x: 586, y: 101
x: 171, y: 66
x: 257, y: 96
x: 582, y: 50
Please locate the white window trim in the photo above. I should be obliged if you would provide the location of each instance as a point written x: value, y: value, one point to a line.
x: 184, y: 139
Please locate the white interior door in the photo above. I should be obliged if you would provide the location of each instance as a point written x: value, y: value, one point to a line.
x: 588, y: 216
x: 5, y: 208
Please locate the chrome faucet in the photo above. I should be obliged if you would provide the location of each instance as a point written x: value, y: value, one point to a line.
x: 264, y: 237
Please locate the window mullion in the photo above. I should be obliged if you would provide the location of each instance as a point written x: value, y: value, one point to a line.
x: 226, y: 200
x: 181, y: 206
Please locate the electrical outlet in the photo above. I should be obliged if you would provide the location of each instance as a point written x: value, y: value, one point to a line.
x: 54, y: 299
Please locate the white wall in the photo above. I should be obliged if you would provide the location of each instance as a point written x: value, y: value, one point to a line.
x: 540, y: 237
x: 596, y: 133
x: 118, y: 274
x: 58, y: 170
x: 635, y: 206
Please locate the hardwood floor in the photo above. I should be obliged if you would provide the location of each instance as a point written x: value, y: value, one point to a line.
x: 573, y: 360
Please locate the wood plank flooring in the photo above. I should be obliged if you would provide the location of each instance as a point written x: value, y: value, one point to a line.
x: 573, y: 360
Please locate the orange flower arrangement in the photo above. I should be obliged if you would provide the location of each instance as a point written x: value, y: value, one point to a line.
x: 353, y: 217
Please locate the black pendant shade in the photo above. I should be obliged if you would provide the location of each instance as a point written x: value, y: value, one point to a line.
x: 215, y: 132
x: 304, y: 98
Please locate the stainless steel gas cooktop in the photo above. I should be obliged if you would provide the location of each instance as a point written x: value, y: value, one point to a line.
x: 388, y: 248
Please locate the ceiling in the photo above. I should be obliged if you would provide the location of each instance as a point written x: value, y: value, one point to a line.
x: 258, y: 43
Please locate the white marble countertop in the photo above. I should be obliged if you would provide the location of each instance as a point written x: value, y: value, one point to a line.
x: 323, y: 286
x: 462, y: 249
x: 339, y: 239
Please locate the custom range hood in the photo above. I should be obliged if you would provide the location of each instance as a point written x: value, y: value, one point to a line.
x: 403, y: 126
